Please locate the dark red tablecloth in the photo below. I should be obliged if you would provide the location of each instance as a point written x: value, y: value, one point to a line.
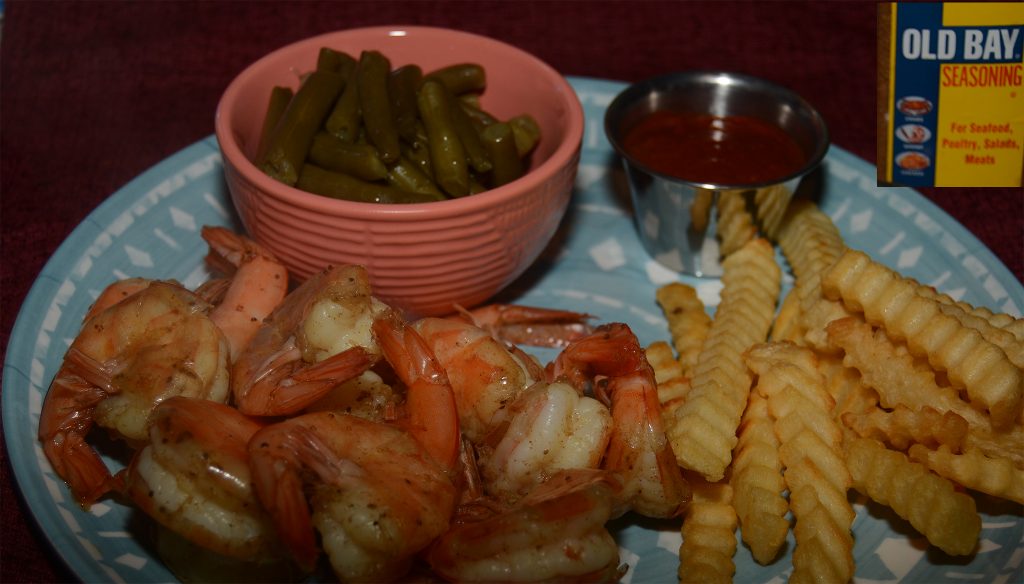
x: 95, y: 93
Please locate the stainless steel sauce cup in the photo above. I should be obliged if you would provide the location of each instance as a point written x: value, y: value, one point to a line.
x: 664, y: 205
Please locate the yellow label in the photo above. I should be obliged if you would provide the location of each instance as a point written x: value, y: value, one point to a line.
x: 955, y: 111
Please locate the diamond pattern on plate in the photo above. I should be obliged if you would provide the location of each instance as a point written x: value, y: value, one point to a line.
x: 139, y: 258
x: 658, y: 274
x: 132, y: 561
x: 860, y: 222
x: 608, y: 254
x: 909, y: 257
x: 588, y: 174
x: 183, y: 219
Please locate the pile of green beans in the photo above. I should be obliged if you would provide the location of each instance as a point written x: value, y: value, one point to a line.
x: 359, y: 130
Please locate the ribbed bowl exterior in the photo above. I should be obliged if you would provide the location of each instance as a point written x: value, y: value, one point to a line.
x: 422, y: 258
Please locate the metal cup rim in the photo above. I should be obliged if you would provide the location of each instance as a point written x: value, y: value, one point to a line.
x: 637, y: 90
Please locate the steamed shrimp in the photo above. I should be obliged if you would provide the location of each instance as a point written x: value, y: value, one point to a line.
x: 554, y: 426
x: 257, y: 282
x: 193, y: 478
x: 317, y: 338
x: 378, y: 494
x: 485, y: 375
x: 556, y: 533
x: 638, y: 450
x: 549, y: 428
x: 152, y: 345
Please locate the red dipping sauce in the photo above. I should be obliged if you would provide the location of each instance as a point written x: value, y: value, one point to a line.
x: 701, y: 148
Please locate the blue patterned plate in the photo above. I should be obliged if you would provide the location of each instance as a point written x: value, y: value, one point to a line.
x: 150, y: 228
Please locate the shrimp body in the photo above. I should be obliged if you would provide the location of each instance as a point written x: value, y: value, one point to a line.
x: 319, y: 336
x: 193, y: 477
x: 379, y: 493
x: 258, y: 282
x: 556, y: 533
x: 638, y: 450
x: 485, y: 375
x: 376, y: 496
x: 115, y: 293
x: 549, y: 428
x: 152, y: 345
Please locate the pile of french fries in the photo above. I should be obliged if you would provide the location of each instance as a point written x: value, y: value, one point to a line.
x: 861, y: 379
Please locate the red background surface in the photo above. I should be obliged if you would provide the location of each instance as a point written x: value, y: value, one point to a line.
x: 95, y: 93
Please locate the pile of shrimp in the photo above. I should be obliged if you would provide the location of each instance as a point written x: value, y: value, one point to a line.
x: 269, y: 424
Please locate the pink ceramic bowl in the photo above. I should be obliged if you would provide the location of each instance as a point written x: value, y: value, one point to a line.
x: 424, y: 258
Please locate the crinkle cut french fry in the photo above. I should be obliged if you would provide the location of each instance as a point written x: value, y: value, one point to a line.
x: 771, y: 204
x: 668, y: 374
x: 757, y: 483
x: 688, y: 322
x: 709, y: 540
x: 787, y: 325
x: 809, y: 239
x: 811, y: 243
x: 811, y: 452
x: 974, y: 470
x: 703, y: 430
x: 892, y: 371
x: 700, y: 210
x: 1000, y: 337
x: 947, y: 517
x: 824, y: 541
x: 844, y: 384
x: 1002, y: 320
x: 887, y: 299
x: 902, y: 427
x: 735, y: 225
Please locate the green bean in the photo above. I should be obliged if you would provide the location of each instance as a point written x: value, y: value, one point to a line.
x: 279, y: 98
x: 447, y: 154
x: 461, y: 78
x: 481, y: 118
x: 289, y: 143
x: 406, y: 175
x: 346, y: 119
x: 419, y: 154
x: 526, y: 131
x: 376, y: 105
x: 342, y: 186
x: 358, y: 160
x: 335, y: 61
x: 402, y: 84
x: 476, y: 186
x: 501, y: 145
x: 470, y: 100
x: 476, y: 154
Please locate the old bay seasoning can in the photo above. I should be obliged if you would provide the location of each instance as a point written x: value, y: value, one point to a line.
x: 951, y: 94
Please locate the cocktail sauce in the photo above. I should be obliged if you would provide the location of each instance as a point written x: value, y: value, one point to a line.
x: 701, y: 148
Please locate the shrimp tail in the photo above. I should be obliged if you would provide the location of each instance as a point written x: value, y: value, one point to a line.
x: 228, y: 250
x: 81, y: 468
x: 430, y: 403
x: 282, y: 394
x: 276, y: 466
x: 214, y: 290
x: 529, y: 325
x: 611, y: 350
x: 65, y: 420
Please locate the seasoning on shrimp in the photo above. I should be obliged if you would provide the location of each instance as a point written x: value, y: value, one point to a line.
x: 154, y: 344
